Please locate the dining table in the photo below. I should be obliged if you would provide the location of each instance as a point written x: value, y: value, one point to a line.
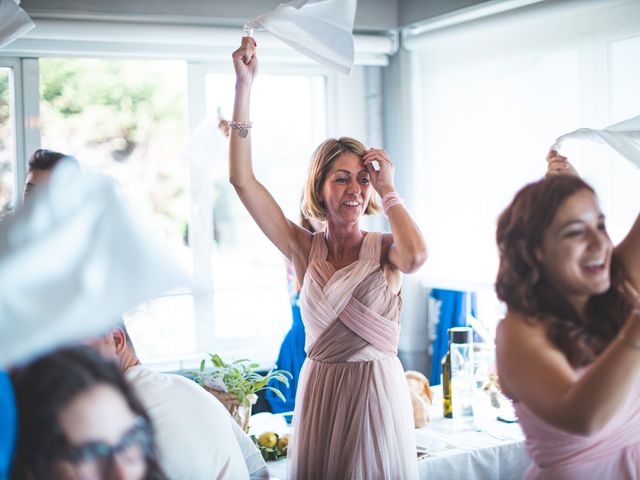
x: 490, y: 447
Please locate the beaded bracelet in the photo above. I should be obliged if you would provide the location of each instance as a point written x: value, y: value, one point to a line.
x: 389, y: 200
x: 242, y: 127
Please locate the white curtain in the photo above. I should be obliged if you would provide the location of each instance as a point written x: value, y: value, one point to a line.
x: 495, y: 96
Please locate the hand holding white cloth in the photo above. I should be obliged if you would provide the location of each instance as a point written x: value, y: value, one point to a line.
x: 72, y: 261
x: 319, y: 29
x: 14, y: 21
x: 624, y: 137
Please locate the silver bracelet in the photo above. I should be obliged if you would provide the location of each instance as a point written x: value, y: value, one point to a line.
x: 242, y: 127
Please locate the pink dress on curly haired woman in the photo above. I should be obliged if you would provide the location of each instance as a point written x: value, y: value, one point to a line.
x: 568, y: 350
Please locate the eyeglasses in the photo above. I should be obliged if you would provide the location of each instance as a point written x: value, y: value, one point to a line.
x: 94, y: 460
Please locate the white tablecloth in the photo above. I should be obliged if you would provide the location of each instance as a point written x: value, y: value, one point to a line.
x: 487, y: 450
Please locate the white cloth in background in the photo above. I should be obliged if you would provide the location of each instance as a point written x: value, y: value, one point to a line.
x: 14, y: 21
x: 206, y: 146
x: 252, y: 457
x: 195, y: 434
x: 206, y: 150
x: 72, y: 261
x: 319, y: 29
x: 623, y: 137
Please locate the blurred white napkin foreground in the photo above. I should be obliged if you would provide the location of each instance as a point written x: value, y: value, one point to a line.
x: 623, y: 137
x: 14, y: 21
x: 72, y: 261
x: 319, y: 29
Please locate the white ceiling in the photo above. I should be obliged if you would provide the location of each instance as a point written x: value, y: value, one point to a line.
x: 372, y: 15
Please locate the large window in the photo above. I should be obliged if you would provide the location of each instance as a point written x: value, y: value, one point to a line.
x: 6, y: 142
x: 128, y: 119
x: 251, y: 303
x: 126, y: 108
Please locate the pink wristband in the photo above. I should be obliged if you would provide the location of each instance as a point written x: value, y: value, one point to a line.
x: 389, y: 200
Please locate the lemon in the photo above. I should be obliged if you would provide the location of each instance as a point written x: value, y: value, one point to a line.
x: 268, y: 439
x: 283, y: 443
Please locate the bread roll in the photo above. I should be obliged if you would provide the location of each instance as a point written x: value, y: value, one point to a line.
x: 421, y: 395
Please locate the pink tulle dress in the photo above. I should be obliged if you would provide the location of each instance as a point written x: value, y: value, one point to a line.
x: 353, y: 417
x: 612, y: 453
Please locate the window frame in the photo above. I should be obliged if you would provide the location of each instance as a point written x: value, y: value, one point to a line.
x: 196, y: 95
x: 25, y: 117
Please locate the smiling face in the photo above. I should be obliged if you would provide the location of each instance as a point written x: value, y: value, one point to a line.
x: 576, y: 249
x: 347, y: 188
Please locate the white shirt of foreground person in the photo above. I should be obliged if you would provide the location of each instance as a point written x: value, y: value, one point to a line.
x: 197, y: 437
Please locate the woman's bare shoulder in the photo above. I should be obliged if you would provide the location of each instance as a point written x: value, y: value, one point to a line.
x: 516, y: 323
x: 526, y: 358
x: 517, y: 333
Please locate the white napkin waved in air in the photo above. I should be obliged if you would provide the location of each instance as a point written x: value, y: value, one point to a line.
x: 206, y: 146
x: 206, y: 150
x: 319, y: 29
x: 624, y: 137
x: 14, y: 21
x: 72, y: 261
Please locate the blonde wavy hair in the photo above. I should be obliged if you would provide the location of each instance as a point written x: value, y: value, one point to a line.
x: 321, y: 161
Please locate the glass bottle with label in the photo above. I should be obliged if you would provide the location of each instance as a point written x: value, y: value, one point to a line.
x: 462, y: 375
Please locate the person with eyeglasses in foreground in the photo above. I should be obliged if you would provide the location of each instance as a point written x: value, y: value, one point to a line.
x: 568, y: 350
x: 79, y: 420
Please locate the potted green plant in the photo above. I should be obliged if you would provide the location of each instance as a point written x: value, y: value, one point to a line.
x: 236, y: 383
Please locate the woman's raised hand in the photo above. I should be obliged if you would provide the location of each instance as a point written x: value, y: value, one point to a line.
x: 559, y: 165
x: 245, y: 61
x: 382, y: 177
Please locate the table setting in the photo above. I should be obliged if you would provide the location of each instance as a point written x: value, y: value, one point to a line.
x: 446, y: 448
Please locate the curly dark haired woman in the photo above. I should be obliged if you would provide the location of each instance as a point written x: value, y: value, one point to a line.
x: 568, y: 350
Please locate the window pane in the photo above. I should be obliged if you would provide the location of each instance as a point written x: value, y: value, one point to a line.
x: 6, y: 143
x: 624, y: 198
x: 289, y: 121
x: 489, y: 121
x: 490, y: 111
x: 127, y: 119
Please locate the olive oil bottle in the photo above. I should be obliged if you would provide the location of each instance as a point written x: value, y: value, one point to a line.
x: 447, y: 411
